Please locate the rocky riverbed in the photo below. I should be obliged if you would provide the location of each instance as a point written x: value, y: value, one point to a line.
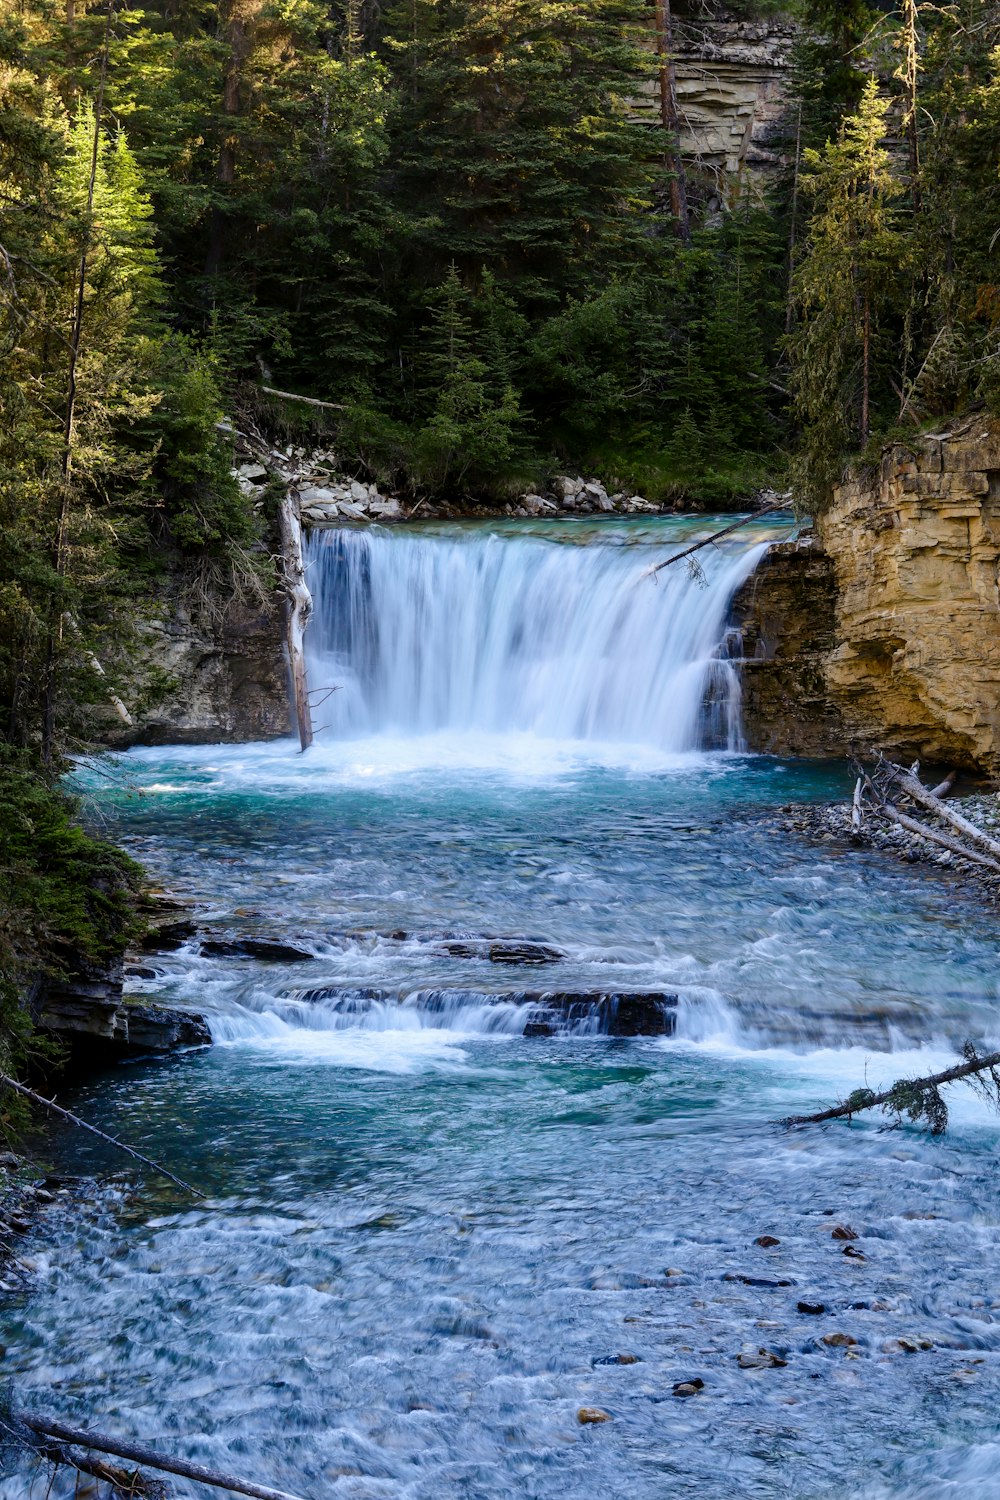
x: 832, y: 823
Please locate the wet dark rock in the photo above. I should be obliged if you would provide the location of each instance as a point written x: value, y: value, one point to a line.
x: 812, y: 1308
x: 839, y: 1341
x: 161, y: 1028
x: 844, y: 1232
x: 766, y: 1241
x: 689, y: 1387
x: 852, y: 1253
x: 756, y: 1280
x: 617, y: 1359
x: 764, y: 1359
x: 168, y: 924
x: 524, y: 953
x: 551, y: 1012
x: 141, y: 971
x: 268, y: 950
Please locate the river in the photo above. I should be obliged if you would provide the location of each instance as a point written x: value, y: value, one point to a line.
x: 430, y: 1240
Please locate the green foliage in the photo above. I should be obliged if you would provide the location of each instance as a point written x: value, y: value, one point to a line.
x: 64, y: 898
x: 843, y: 290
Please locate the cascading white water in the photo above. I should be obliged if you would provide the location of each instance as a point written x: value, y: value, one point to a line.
x: 565, y: 639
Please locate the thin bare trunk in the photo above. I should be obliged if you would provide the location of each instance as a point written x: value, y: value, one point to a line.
x: 793, y: 225
x: 907, y: 74
x: 866, y: 345
x: 239, y: 18
x: 670, y: 119
x: 65, y: 1114
x: 138, y: 1453
x: 69, y: 417
x: 298, y: 608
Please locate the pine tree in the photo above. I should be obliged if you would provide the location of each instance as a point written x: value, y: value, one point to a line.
x: 844, y: 289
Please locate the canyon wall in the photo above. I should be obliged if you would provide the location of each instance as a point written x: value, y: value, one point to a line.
x: 210, y: 667
x: 882, y: 632
x: 731, y: 85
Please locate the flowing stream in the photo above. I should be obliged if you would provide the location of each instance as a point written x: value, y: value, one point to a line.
x: 430, y: 1240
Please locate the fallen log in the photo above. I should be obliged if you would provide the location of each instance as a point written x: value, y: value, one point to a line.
x: 925, y: 798
x: 57, y: 1109
x: 298, y: 609
x: 937, y: 837
x: 912, y: 1096
x: 269, y: 390
x: 149, y: 1458
x: 707, y: 541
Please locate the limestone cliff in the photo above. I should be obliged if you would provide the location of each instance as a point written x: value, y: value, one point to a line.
x: 731, y: 87
x: 211, y: 668
x: 884, y: 631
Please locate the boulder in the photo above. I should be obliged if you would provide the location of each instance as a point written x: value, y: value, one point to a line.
x: 350, y: 511
x: 256, y: 473
x: 565, y: 487
x: 359, y: 492
x: 387, y: 510
x: 316, y: 495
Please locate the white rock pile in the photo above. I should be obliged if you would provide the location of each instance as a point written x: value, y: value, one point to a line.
x: 325, y: 497
x: 583, y: 496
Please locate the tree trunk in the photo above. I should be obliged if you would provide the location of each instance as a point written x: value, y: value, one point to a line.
x: 54, y: 642
x: 239, y: 19
x: 950, y: 1075
x: 670, y: 119
x: 866, y: 345
x: 298, y: 608
x: 908, y: 76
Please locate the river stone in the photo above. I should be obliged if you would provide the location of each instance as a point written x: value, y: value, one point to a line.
x: 689, y: 1387
x: 523, y: 953
x: 269, y: 950
x: 351, y: 511
x: 762, y: 1360
x: 590, y: 1415
x: 315, y: 495
x: 839, y: 1341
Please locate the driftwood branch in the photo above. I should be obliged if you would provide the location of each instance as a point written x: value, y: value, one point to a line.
x: 926, y: 831
x: 901, y: 1090
x: 920, y: 794
x: 306, y: 400
x: 47, y: 1427
x: 57, y: 1109
x: 707, y: 541
x: 298, y: 609
x: 878, y: 792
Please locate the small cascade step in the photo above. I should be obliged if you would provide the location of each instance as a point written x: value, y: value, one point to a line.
x: 545, y: 1013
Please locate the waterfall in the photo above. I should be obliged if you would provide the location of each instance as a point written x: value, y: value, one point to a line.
x: 563, y: 637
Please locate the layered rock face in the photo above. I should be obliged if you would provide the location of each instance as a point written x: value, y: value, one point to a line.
x: 220, y: 670
x: 883, y: 633
x: 731, y: 86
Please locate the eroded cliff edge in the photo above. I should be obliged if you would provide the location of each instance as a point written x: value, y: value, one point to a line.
x: 881, y: 631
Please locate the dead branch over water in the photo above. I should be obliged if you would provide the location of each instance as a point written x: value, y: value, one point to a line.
x: 57, y: 1109
x: 917, y: 1098
x: 55, y: 1433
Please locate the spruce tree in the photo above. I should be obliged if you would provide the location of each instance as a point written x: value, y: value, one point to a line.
x: 846, y: 290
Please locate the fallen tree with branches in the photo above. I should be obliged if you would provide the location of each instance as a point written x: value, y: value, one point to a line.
x: 918, y: 1099
x: 893, y: 794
